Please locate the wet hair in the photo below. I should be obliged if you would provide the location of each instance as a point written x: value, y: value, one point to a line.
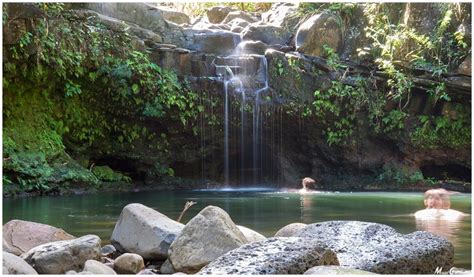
x: 442, y: 194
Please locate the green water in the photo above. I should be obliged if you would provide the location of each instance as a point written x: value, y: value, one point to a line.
x: 264, y: 211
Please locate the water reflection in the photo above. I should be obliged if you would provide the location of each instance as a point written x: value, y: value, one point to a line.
x: 306, y: 205
x: 447, y: 228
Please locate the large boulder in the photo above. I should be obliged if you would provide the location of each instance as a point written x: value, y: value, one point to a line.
x: 335, y: 270
x: 175, y: 16
x: 423, y: 17
x: 144, y: 231
x: 290, y: 229
x: 132, y: 29
x: 145, y: 16
x: 289, y: 73
x: 97, y: 267
x: 319, y: 30
x: 217, y: 14
x: 13, y: 264
x: 239, y: 14
x: 273, y: 256
x: 251, y: 235
x: 268, y: 34
x: 380, y: 249
x: 129, y: 263
x: 61, y: 256
x: 208, y: 235
x: 282, y: 14
x: 19, y: 236
x: 216, y: 42
x: 16, y: 24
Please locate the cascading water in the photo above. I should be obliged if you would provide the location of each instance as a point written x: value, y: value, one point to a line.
x: 232, y: 81
x: 245, y: 83
x: 242, y: 135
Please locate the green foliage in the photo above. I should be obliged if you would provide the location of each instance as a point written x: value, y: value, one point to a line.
x: 439, y: 131
x: 394, y: 120
x: 345, y: 9
x: 332, y: 58
x: 398, y: 49
x: 338, y: 108
x: 82, y: 85
x: 439, y: 92
x: 106, y: 174
x: 403, y: 176
x: 200, y: 8
x: 280, y: 68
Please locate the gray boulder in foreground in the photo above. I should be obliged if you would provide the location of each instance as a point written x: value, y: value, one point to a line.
x: 381, y: 249
x: 98, y: 268
x: 273, y: 256
x: 290, y: 229
x: 13, y: 264
x: 129, y: 263
x: 335, y: 270
x: 144, y: 231
x: 207, y: 236
x: 62, y: 256
x: 250, y: 234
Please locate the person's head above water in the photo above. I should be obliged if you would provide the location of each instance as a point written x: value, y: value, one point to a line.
x: 437, y: 199
x: 307, y: 183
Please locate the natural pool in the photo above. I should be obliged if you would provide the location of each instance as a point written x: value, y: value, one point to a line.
x: 264, y: 210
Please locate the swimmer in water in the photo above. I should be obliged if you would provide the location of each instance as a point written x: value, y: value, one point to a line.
x: 438, y: 206
x: 307, y: 183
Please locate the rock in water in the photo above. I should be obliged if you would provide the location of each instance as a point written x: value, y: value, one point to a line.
x: 208, y: 235
x: 380, y: 249
x: 335, y: 270
x: 250, y: 234
x: 61, y: 256
x: 290, y: 230
x: 98, y: 268
x: 15, y: 265
x: 129, y: 263
x: 19, y: 236
x: 273, y: 256
x: 144, y: 231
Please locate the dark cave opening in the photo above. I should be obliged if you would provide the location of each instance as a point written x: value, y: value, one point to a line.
x: 125, y: 166
x: 447, y: 171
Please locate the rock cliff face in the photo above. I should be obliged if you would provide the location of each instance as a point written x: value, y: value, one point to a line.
x: 273, y: 135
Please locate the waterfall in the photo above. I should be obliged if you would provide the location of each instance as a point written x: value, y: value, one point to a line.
x: 242, y: 136
x: 245, y: 80
x: 226, y: 133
